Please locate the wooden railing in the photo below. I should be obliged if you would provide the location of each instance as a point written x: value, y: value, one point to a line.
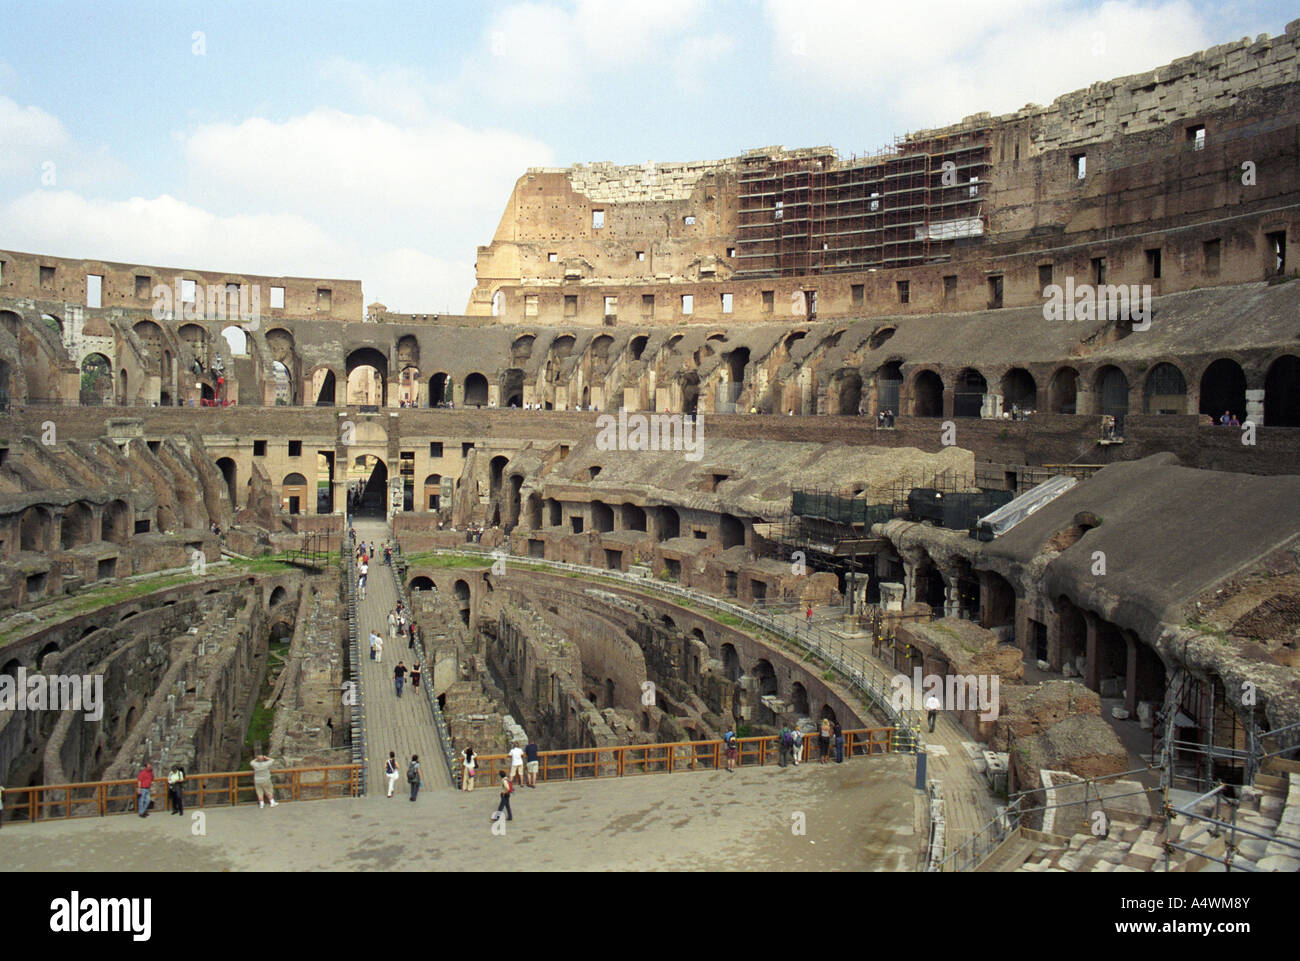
x: 49, y: 802
x: 625, y: 759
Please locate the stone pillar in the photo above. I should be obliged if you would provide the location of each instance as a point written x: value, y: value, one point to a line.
x: 949, y: 399
x: 1131, y: 676
x: 1092, y: 673
x: 1255, y: 407
x: 1085, y: 401
x: 986, y: 615
x: 951, y: 600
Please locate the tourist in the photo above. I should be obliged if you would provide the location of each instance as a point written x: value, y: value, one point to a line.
x: 375, y: 642
x: 796, y: 747
x: 174, y: 781
x: 1226, y: 418
x: 932, y: 708
x: 399, y: 677
x: 839, y: 744
x: 1234, y: 422
x: 413, y: 775
x: 824, y: 741
x: 388, y: 555
x: 467, y: 770
x: 532, y: 757
x: 517, y: 763
x: 729, y: 740
x: 390, y: 771
x: 808, y: 615
x: 261, y: 766
x: 411, y: 631
x: 361, y: 581
x: 392, y: 625
x: 415, y: 677
x: 379, y: 649
x: 507, y: 789
x: 143, y: 784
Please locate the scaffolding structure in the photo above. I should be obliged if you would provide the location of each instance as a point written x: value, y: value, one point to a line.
x: 814, y: 213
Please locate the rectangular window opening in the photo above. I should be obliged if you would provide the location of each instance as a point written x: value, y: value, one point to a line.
x: 324, y: 299
x: 277, y: 298
x: 995, y: 292
x: 295, y: 448
x: 435, y: 448
x: 647, y: 305
x: 1080, y: 162
x: 1196, y: 136
x: 259, y: 448
x: 94, y: 290
x: 1044, y: 276
x: 570, y: 305
x: 1099, y: 271
x: 769, y: 301
x: 597, y: 219
x: 530, y: 305
x: 857, y: 294
x: 47, y: 278
x: 1277, y: 250
x: 726, y: 303
x: 1153, y: 263
x: 1210, y: 252
x: 143, y: 287
x: 950, y: 288
x: 904, y: 291
x: 688, y: 304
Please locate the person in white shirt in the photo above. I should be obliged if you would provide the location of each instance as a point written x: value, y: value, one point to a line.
x: 392, y: 625
x: 361, y: 581
x: 379, y: 649
x: 391, y: 772
x: 517, y: 764
x: 375, y: 642
x: 932, y: 707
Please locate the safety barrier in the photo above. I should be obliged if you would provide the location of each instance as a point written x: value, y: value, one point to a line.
x: 51, y: 802
x: 628, y: 759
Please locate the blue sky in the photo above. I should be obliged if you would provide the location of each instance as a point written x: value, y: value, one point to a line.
x: 380, y: 141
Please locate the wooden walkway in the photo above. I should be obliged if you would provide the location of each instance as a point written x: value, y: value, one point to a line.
x: 404, y: 725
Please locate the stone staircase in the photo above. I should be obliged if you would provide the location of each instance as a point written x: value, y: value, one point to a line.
x: 1136, y: 843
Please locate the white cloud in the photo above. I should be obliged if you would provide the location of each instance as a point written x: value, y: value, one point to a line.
x: 31, y: 137
x: 374, y: 176
x: 544, y: 53
x: 957, y: 59
x: 386, y: 91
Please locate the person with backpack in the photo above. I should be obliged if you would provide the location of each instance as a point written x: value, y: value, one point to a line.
x: 390, y: 771
x: 507, y: 789
x: 786, y: 743
x: 796, y: 746
x: 824, y: 741
x: 839, y: 743
x: 415, y: 676
x: 413, y: 775
x: 729, y: 740
x: 399, y: 675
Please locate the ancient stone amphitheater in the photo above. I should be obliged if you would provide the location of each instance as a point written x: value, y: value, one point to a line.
x: 722, y: 445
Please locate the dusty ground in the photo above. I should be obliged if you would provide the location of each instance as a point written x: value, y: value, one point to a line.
x: 858, y: 818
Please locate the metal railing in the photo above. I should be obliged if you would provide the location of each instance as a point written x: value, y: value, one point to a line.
x: 976, y: 849
x: 355, y: 696
x: 666, y: 758
x: 52, y: 802
x: 869, y: 679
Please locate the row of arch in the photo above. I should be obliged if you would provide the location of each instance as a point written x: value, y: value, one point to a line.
x: 77, y: 526
x: 1223, y: 387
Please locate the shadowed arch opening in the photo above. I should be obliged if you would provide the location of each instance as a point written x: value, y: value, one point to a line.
x: 1282, y: 392
x: 1019, y: 390
x: 968, y: 397
x: 927, y: 395
x: 1223, y: 388
x: 1165, y: 391
x: 476, y: 390
x: 366, y: 372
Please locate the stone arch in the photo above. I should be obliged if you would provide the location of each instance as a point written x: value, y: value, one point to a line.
x: 730, y: 662
x: 230, y: 473
x: 237, y: 339
x: 521, y: 348
x: 462, y: 594
x: 35, y: 528
x: 324, y: 387
x: 1164, y: 391
x: 51, y: 648
x: 367, y: 388
x: 512, y: 387
x: 433, y: 492
x: 889, y: 381
x: 799, y: 699
x: 669, y: 523
x: 602, y: 517
x: 637, y: 346
x: 1282, y: 392
x: 439, y: 390
x: 764, y: 674
x: 476, y: 390
x: 634, y: 517
x: 1063, y: 392
x: 96, y: 380
x: 293, y: 493
x: 969, y: 393
x: 408, y: 386
x: 690, y: 393
x: 1019, y: 389
x: 11, y: 322
x: 848, y: 389
x: 77, y: 527
x: 115, y: 524
x: 927, y: 394
x: 422, y: 583
x: 1112, y: 388
x: 1223, y: 387
x: 277, y: 595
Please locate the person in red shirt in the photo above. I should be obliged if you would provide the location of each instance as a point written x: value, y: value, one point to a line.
x: 143, y: 784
